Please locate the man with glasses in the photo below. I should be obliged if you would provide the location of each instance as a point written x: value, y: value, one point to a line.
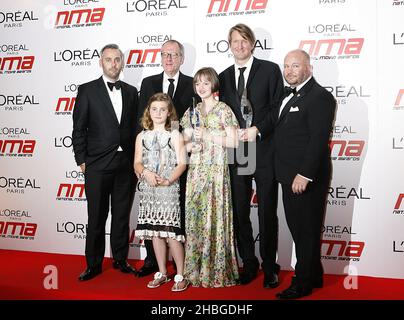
x: 171, y: 81
x: 179, y: 87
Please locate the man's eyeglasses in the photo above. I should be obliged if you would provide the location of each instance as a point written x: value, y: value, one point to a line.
x: 172, y: 55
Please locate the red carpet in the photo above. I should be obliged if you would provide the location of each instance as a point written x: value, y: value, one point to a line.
x: 22, y: 278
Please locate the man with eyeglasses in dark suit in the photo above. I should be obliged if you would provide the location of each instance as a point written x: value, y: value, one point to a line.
x: 179, y: 87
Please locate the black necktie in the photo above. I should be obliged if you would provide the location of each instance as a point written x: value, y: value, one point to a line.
x: 116, y: 84
x: 240, y: 85
x: 170, y: 91
x: 289, y: 90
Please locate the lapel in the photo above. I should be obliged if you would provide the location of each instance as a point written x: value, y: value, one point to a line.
x: 106, y: 99
x: 288, y: 105
x: 158, y: 83
x: 180, y: 87
x: 298, y: 96
x: 254, y: 68
x: 125, y: 102
x: 234, y: 94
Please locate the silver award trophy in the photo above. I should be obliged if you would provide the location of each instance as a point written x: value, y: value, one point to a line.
x: 155, y: 156
x: 246, y: 151
x: 195, y: 119
x: 154, y: 159
x: 246, y: 109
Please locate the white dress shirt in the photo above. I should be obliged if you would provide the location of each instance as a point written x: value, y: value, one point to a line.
x: 286, y: 100
x: 116, y: 99
x: 166, y: 83
x: 246, y: 72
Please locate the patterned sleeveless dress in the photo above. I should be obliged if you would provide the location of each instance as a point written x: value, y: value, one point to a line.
x: 159, y: 207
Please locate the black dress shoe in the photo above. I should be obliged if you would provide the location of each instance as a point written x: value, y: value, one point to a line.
x: 247, y: 277
x: 89, y: 273
x: 271, y: 281
x: 318, y: 283
x: 294, y: 292
x: 124, y: 266
x: 147, y: 270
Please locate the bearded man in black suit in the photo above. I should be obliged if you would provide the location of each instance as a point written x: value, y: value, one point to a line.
x: 301, y: 129
x: 104, y: 126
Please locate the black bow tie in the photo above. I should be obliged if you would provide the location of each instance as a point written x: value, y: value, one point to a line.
x: 289, y: 90
x: 116, y: 84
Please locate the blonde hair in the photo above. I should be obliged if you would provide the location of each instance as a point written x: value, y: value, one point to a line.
x: 245, y: 32
x: 146, y: 121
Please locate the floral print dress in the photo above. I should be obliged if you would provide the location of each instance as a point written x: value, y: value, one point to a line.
x: 210, y: 254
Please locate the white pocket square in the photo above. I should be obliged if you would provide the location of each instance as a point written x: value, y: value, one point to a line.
x: 294, y: 109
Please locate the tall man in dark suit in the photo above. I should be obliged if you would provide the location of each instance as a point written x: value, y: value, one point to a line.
x: 301, y: 129
x: 104, y: 124
x: 179, y: 87
x: 264, y: 85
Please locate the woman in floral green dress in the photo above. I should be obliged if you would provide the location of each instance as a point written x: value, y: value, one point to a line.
x: 210, y: 254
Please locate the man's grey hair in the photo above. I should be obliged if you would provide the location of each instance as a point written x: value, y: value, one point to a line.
x: 179, y: 45
x: 112, y: 46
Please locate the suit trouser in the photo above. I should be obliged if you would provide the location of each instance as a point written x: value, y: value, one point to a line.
x: 304, y: 216
x: 115, y: 185
x: 267, y: 196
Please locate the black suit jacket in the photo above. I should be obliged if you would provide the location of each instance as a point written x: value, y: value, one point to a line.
x: 97, y: 134
x: 264, y: 90
x: 182, y: 96
x: 301, y: 137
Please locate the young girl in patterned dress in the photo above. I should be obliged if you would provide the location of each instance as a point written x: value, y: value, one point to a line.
x: 159, y: 162
x: 210, y: 254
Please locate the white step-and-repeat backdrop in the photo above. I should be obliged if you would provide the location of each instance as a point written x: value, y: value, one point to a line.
x: 48, y: 48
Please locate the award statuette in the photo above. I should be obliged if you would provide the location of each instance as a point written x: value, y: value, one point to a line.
x: 246, y: 109
x: 194, y: 118
x: 155, y: 156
